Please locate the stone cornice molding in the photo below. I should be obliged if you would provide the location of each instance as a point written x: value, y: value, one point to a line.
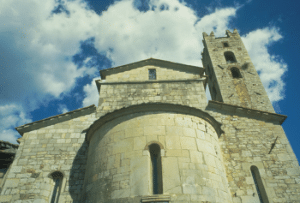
x: 247, y: 112
x: 153, y: 107
x: 56, y: 119
x: 103, y: 82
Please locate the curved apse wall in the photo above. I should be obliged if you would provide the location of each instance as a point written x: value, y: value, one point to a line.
x: 119, y: 163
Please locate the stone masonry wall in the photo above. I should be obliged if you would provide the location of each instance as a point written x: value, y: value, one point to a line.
x: 247, y: 142
x: 116, y: 96
x: 60, y: 147
x: 118, y: 167
x: 247, y: 91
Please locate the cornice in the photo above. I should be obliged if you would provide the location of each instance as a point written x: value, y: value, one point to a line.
x: 247, y: 112
x: 151, y: 61
x: 56, y: 119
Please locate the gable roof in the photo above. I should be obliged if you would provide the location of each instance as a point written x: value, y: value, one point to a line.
x: 56, y: 119
x: 151, y: 61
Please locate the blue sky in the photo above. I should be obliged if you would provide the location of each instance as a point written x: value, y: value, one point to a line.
x: 51, y: 51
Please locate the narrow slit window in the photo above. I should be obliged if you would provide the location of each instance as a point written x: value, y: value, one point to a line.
x: 152, y: 74
x: 156, y: 169
x: 229, y: 56
x: 262, y: 195
x: 57, y: 179
x: 235, y: 72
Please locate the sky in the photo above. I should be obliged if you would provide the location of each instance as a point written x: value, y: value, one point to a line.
x: 51, y: 51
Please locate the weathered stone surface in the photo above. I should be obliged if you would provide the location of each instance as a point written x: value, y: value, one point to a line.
x: 104, y: 154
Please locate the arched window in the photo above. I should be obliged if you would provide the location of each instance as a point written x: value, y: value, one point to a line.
x: 57, y: 179
x: 262, y: 195
x: 225, y: 44
x: 156, y: 169
x: 229, y: 56
x: 235, y: 72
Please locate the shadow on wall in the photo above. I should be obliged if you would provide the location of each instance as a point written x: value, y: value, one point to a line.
x: 77, y: 173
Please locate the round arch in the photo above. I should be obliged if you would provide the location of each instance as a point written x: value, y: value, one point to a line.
x: 151, y: 107
x: 153, y: 142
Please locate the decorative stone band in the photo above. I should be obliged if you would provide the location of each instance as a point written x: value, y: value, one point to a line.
x: 56, y: 119
x: 157, y: 198
x: 247, y: 112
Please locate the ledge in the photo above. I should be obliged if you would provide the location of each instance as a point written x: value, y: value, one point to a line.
x: 56, y: 119
x: 103, y: 82
x: 156, y: 198
x: 247, y: 112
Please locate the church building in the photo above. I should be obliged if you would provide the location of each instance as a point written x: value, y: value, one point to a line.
x: 155, y: 138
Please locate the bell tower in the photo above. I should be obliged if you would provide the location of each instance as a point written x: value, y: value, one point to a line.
x: 232, y: 77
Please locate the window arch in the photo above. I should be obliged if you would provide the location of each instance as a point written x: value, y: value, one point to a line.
x: 262, y: 195
x: 235, y: 72
x: 57, y: 178
x: 156, y: 167
x: 229, y: 56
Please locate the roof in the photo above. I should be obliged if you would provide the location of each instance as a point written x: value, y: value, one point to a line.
x: 7, y: 147
x: 250, y: 113
x: 152, y: 61
x: 56, y: 119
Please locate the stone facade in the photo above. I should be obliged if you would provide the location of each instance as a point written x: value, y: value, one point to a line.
x: 207, y: 151
x: 246, y: 91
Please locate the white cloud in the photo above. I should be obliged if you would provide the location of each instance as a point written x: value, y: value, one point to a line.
x: 91, y: 94
x: 270, y: 67
x: 62, y: 108
x: 218, y: 21
x: 11, y: 116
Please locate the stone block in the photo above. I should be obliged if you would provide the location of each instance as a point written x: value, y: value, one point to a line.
x: 250, y: 199
x: 189, y: 132
x: 173, y: 130
x: 200, y: 134
x: 139, y: 176
x: 16, y: 169
x: 210, y: 160
x: 125, y: 145
x: 139, y: 143
x: 172, y: 142
x: 12, y: 183
x: 6, y: 198
x: 171, y: 175
x: 284, y: 157
x: 134, y: 132
x: 293, y: 171
x: 188, y: 143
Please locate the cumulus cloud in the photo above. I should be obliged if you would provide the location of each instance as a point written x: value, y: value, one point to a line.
x: 62, y: 108
x: 91, y: 94
x: 11, y: 116
x: 271, y: 68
